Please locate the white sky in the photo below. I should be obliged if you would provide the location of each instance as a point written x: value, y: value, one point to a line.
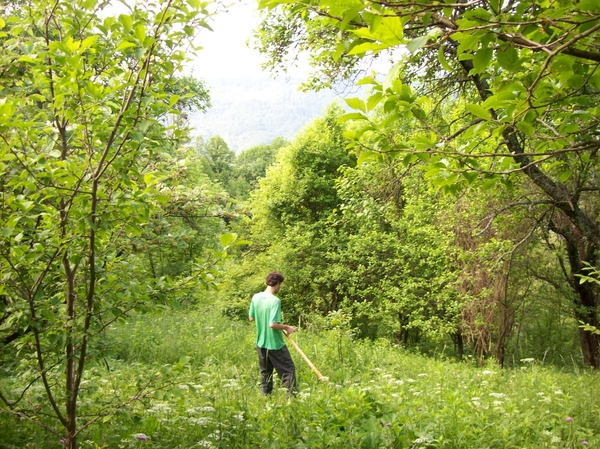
x: 225, y: 51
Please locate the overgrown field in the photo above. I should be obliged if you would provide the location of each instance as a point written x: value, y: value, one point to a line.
x: 190, y: 379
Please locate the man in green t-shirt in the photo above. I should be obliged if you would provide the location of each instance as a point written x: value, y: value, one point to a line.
x: 265, y: 310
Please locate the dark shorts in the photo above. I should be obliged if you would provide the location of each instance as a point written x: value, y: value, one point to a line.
x: 281, y: 361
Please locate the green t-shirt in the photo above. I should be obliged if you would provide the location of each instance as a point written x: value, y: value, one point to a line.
x: 265, y: 309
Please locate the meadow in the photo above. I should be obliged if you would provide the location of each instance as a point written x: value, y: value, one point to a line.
x: 189, y: 379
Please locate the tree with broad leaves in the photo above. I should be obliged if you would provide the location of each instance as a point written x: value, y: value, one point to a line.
x: 86, y: 90
x: 522, y: 79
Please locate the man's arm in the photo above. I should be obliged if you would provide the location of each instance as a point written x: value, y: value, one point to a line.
x: 283, y: 327
x: 250, y: 318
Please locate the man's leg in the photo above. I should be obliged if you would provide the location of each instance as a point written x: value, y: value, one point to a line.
x: 283, y: 363
x: 266, y: 370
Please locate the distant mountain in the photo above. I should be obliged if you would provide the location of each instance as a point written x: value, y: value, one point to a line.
x: 250, y: 110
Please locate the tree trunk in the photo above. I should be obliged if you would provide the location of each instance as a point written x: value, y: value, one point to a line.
x: 585, y: 313
x: 459, y: 345
x: 579, y: 251
x: 578, y: 226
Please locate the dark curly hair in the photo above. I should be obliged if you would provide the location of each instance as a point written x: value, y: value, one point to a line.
x: 274, y: 278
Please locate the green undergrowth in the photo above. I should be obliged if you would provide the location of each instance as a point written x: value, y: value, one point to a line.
x: 190, y: 379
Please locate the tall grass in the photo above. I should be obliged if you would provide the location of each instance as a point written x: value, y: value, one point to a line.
x: 198, y: 372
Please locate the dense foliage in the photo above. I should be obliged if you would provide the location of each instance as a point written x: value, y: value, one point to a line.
x: 481, y: 95
x: 94, y: 197
x: 204, y: 392
x: 453, y: 212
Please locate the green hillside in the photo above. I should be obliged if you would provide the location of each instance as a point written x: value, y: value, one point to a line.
x: 248, y: 111
x: 190, y: 379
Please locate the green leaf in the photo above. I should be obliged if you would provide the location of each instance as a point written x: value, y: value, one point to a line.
x: 417, y: 43
x: 356, y: 103
x: 352, y: 116
x: 470, y: 176
x: 389, y: 30
x: 126, y: 21
x: 410, y: 158
x: 366, y: 156
x: 508, y: 57
x: 391, y: 75
x: 37, y: 97
x: 478, y: 111
x: 565, y: 175
x: 228, y: 239
x: 526, y: 128
x: 361, y: 49
x: 442, y: 59
x: 588, y: 5
x: 367, y: 80
x: 482, y: 59
x: 374, y: 100
x: 125, y: 44
x: 423, y: 142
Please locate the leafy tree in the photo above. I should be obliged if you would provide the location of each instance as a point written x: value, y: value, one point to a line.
x: 85, y: 96
x: 251, y: 165
x: 190, y: 94
x: 288, y: 217
x: 194, y: 213
x: 218, y: 159
x: 521, y: 77
x: 300, y: 187
x: 395, y: 271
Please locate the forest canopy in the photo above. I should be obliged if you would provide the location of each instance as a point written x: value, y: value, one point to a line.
x: 494, y: 101
x: 451, y: 209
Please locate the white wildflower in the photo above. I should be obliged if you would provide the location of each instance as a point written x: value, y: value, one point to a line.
x: 497, y: 395
x: 202, y: 421
x: 161, y: 407
x: 206, y: 409
x: 487, y: 372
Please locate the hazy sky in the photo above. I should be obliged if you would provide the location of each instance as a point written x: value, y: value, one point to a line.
x: 225, y: 52
x: 249, y: 107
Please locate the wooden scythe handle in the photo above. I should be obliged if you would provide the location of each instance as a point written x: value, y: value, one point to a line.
x: 306, y: 359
